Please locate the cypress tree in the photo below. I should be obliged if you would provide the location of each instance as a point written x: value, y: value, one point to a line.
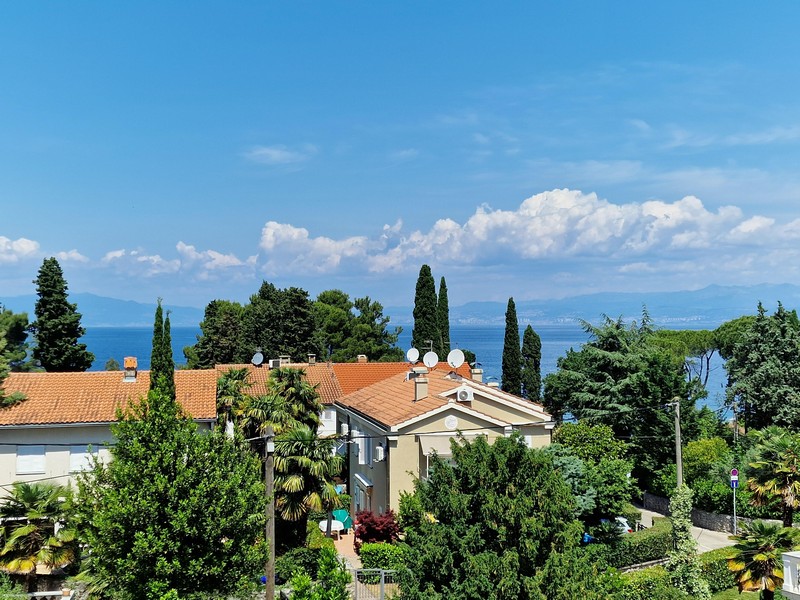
x: 156, y: 354
x: 168, y: 373
x: 531, y: 365
x: 512, y: 367
x: 57, y: 327
x: 443, y: 319
x: 426, y: 325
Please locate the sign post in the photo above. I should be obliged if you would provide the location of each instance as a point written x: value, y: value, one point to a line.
x: 734, y: 485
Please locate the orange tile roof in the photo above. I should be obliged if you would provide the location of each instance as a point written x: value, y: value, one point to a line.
x: 94, y: 396
x: 335, y: 380
x: 391, y: 401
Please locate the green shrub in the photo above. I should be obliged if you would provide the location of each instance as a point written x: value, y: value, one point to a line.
x: 8, y: 589
x: 316, y: 539
x: 381, y: 555
x: 642, y: 546
x: 715, y: 570
x: 297, y: 560
x: 649, y: 584
x: 632, y: 514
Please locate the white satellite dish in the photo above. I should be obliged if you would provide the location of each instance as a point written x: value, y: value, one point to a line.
x: 430, y: 359
x: 456, y: 358
x: 257, y: 359
x: 412, y: 355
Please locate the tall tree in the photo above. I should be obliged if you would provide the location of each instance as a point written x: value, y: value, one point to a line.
x: 220, y: 336
x: 57, y: 327
x: 775, y: 471
x: 531, y: 365
x: 176, y: 511
x: 162, y: 365
x: 6, y: 399
x: 756, y: 559
x: 512, y: 357
x: 426, y: 326
x: 443, y: 320
x: 764, y: 372
x: 29, y: 535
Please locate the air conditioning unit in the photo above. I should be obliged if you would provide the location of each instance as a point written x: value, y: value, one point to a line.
x: 274, y: 363
x: 464, y: 395
x: 380, y: 453
x: 344, y: 428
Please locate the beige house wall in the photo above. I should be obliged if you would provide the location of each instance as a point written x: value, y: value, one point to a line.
x: 500, y: 410
x: 57, y: 442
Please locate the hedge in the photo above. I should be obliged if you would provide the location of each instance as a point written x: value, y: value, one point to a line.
x: 715, y: 570
x: 649, y: 584
x: 640, y: 546
x: 381, y: 555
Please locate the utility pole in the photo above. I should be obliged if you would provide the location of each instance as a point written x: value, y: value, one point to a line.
x: 269, y: 480
x: 678, y: 455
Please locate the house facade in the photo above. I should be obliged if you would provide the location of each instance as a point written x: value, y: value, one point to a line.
x: 396, y: 425
x: 66, y: 417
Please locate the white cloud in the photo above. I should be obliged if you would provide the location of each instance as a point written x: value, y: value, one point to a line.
x: 136, y: 263
x: 209, y: 259
x: 72, y: 256
x: 12, y: 251
x: 279, y: 155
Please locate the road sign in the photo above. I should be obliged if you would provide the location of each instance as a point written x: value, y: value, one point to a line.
x: 734, y: 472
x: 734, y: 483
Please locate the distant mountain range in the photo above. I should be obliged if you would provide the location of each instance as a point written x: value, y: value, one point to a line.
x: 707, y: 307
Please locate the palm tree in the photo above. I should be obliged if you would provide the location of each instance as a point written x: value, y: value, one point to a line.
x: 232, y: 389
x: 775, y: 474
x: 756, y: 558
x: 259, y: 412
x: 301, y: 396
x: 305, y: 465
x: 32, y: 530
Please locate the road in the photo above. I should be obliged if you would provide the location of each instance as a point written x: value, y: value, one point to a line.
x: 706, y: 538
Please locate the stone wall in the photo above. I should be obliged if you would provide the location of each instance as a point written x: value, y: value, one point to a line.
x: 700, y: 518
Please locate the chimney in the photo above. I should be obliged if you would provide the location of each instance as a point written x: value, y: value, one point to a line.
x: 312, y: 359
x: 285, y: 359
x: 493, y: 384
x: 420, y: 387
x: 477, y: 374
x: 361, y: 358
x: 130, y: 363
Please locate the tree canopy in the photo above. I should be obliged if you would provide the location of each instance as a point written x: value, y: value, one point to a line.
x: 443, y: 320
x: 531, y: 356
x: 497, y: 523
x: 219, y: 342
x: 57, y: 327
x: 426, y: 325
x: 14, y: 329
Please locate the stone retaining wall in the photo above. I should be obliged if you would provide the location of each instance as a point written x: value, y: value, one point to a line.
x: 700, y: 518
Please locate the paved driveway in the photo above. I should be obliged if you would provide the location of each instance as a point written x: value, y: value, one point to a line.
x: 706, y: 538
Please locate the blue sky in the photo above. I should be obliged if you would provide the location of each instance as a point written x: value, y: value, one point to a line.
x: 526, y: 149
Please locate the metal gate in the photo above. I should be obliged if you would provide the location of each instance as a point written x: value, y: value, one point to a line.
x: 374, y: 584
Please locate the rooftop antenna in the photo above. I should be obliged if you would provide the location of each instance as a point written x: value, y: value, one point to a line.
x: 412, y: 355
x: 258, y: 358
x: 455, y: 358
x: 430, y: 359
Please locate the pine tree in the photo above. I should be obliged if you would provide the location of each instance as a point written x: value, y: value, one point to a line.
x: 443, y: 320
x: 426, y: 326
x: 512, y: 358
x: 57, y: 327
x: 531, y: 365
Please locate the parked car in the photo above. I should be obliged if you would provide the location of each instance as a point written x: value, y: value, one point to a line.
x: 622, y: 524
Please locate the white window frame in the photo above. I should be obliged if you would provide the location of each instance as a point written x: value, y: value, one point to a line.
x: 31, y: 460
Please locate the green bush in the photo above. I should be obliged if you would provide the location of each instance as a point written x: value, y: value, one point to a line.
x: 384, y: 556
x: 297, y: 560
x: 642, y: 546
x: 8, y: 589
x: 649, y: 584
x: 316, y: 539
x: 632, y: 514
x: 715, y: 570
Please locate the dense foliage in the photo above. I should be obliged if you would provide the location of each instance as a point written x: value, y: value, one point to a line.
x: 622, y: 379
x: 531, y: 357
x: 162, y: 365
x: 373, y: 528
x: 14, y: 330
x: 443, y: 320
x: 495, y: 524
x: 764, y: 372
x: 426, y: 324
x: 174, y: 510
x: 511, y: 380
x: 57, y: 327
x: 683, y: 565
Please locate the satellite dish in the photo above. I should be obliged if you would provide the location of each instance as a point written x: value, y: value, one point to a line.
x: 257, y: 359
x: 456, y: 358
x: 430, y: 359
x: 412, y: 355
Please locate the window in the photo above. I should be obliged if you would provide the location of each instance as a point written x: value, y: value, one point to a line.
x: 368, y: 451
x: 80, y: 459
x: 30, y: 460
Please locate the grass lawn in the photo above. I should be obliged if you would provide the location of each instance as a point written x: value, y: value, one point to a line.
x: 733, y: 593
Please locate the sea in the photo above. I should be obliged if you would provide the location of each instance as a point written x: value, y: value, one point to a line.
x: 485, y: 341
